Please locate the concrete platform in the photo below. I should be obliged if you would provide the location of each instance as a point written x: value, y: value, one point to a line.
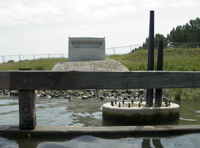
x: 143, y: 115
x: 106, y: 132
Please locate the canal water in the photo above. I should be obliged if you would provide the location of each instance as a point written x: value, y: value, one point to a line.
x: 77, y: 112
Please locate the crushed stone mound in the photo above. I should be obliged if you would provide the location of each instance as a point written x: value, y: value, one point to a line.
x: 100, y: 65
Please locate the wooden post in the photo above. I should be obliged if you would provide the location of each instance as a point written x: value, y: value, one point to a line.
x: 27, y: 111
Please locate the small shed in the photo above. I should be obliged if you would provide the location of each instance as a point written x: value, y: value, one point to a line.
x: 86, y: 49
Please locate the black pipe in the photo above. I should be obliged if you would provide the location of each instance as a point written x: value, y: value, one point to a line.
x: 158, y: 97
x: 149, y: 97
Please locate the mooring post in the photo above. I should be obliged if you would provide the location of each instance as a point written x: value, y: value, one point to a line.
x: 149, y: 101
x: 158, y: 97
x: 27, y: 111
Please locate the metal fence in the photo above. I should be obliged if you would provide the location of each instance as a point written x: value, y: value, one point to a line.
x: 22, y: 57
x: 184, y: 45
x: 109, y: 51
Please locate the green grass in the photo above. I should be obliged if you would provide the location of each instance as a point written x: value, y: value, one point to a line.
x: 174, y: 60
x: 39, y: 64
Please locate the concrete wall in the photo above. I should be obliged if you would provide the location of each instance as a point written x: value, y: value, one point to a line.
x: 86, y: 49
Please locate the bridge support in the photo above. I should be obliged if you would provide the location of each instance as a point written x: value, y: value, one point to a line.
x: 27, y: 111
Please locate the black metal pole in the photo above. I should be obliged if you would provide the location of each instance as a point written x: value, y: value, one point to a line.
x: 158, y: 97
x: 150, y: 56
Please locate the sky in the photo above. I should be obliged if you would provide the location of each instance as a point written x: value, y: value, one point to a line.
x: 44, y: 26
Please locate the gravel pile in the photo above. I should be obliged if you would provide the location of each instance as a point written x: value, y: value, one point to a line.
x: 101, y: 65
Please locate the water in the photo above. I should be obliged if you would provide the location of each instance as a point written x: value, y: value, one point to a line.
x: 76, y: 112
x: 185, y: 141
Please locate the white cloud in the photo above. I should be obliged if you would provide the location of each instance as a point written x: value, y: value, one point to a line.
x: 25, y: 12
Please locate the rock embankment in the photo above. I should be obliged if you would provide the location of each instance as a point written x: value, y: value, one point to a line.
x: 84, y: 94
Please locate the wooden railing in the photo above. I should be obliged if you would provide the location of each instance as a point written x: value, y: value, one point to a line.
x: 27, y: 81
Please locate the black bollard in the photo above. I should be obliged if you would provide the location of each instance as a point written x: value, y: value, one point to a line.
x: 158, y: 97
x: 115, y: 101
x: 119, y: 105
x: 149, y: 97
x: 129, y: 105
x: 139, y: 105
x: 132, y: 101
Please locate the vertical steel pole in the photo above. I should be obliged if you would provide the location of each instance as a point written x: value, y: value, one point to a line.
x: 158, y: 97
x: 149, y: 102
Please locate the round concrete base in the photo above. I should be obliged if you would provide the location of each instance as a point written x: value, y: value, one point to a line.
x: 135, y: 115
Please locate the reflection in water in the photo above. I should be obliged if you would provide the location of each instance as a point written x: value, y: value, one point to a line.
x: 184, y: 141
x: 156, y: 143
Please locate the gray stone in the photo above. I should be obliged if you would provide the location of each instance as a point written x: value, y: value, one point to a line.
x: 14, y: 93
x: 84, y: 97
x: 48, y: 96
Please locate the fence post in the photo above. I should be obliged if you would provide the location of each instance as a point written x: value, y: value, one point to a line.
x: 3, y: 59
x: 27, y: 111
x: 130, y: 48
x: 19, y: 58
x: 114, y: 50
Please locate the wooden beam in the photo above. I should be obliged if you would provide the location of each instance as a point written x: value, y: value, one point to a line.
x: 58, y: 80
x: 4, y: 80
x: 52, y: 132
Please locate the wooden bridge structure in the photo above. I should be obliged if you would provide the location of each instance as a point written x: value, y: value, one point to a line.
x: 27, y: 81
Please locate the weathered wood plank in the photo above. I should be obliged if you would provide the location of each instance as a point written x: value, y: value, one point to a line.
x: 109, y: 132
x: 4, y: 80
x: 30, y: 80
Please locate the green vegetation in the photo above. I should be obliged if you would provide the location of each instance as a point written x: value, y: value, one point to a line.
x: 174, y: 60
x: 187, y: 35
x: 39, y: 64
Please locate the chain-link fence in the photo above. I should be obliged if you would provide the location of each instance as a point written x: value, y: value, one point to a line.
x: 16, y: 58
x: 109, y: 51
